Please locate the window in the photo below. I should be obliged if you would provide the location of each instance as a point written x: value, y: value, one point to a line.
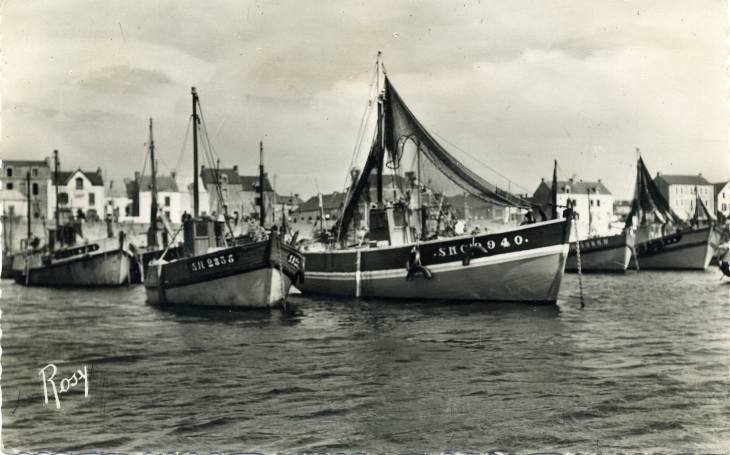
x: 35, y: 189
x: 592, y: 202
x: 79, y: 183
x: 9, y: 172
x: 34, y: 172
x: 567, y: 189
x: 224, y: 178
x: 201, y: 230
x: 92, y: 199
x: 9, y: 186
x: 598, y: 202
x: 63, y: 198
x: 167, y: 201
x: 167, y: 215
x: 11, y: 211
x: 225, y: 194
x: 724, y: 207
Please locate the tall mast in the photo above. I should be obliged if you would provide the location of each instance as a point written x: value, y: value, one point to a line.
x: 380, y: 136
x: 262, y: 207
x: 152, y: 240
x: 27, y: 178
x: 554, y: 194
x: 55, y: 179
x: 195, y: 153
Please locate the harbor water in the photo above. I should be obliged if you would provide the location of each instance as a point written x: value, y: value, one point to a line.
x: 642, y: 368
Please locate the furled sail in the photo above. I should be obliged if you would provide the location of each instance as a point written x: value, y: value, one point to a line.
x: 649, y: 202
x: 437, y: 168
x: 702, y: 213
x: 404, y: 146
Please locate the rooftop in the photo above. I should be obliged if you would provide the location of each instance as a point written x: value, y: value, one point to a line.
x: 682, y: 179
x: 95, y: 178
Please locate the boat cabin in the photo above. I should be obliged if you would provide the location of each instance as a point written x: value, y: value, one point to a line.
x: 391, y: 224
x: 203, y: 233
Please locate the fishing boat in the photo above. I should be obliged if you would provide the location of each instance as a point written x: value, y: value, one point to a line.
x: 71, y: 260
x: 598, y: 253
x: 399, y: 254
x: 160, y: 229
x: 663, y: 240
x: 218, y: 269
x: 7, y: 246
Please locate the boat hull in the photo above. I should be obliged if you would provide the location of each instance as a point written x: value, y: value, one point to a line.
x: 523, y: 265
x: 687, y: 250
x: 610, y: 254
x: 109, y: 265
x: 257, y: 275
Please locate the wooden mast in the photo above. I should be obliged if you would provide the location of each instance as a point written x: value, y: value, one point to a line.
x: 152, y: 233
x: 27, y: 178
x: 55, y: 179
x: 195, y: 153
x: 554, y: 193
x: 380, y: 138
x: 262, y: 208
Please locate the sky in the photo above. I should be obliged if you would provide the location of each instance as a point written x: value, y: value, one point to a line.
x: 510, y: 86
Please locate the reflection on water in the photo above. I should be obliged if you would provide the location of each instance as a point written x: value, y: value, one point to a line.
x: 642, y: 367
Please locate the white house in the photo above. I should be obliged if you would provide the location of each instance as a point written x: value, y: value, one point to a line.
x: 79, y: 193
x: 681, y: 192
x: 722, y: 197
x: 592, y: 203
x: 15, y: 203
x: 117, y: 202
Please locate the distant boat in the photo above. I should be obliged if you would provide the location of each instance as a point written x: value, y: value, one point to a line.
x: 610, y: 253
x: 7, y: 246
x: 598, y: 254
x: 219, y: 270
x: 663, y: 239
x: 401, y: 257
x: 71, y: 260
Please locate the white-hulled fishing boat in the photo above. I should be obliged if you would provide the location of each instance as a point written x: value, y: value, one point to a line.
x: 402, y: 257
x: 219, y: 270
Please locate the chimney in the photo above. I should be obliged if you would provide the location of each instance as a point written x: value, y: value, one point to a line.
x: 136, y: 176
x: 543, y: 180
x: 235, y: 168
x: 599, y: 180
x: 658, y: 174
x: 571, y: 180
x: 202, y: 167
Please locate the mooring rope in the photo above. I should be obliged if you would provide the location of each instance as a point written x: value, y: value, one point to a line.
x: 281, y: 272
x: 580, y: 271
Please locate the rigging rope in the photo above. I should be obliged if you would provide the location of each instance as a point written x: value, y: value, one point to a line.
x: 476, y: 159
x: 182, y: 150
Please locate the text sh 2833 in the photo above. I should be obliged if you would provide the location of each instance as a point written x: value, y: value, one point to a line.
x: 64, y: 385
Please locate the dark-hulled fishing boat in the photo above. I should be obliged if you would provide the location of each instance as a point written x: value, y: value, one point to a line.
x: 598, y: 254
x: 68, y: 259
x: 663, y: 239
x: 219, y: 270
x: 611, y: 253
x: 402, y: 256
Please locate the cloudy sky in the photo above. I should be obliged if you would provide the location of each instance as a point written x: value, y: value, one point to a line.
x: 511, y: 85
